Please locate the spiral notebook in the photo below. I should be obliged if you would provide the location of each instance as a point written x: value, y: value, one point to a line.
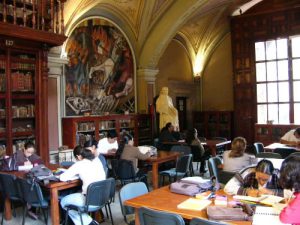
x: 266, y: 214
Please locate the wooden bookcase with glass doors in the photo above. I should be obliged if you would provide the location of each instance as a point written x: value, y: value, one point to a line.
x: 77, y: 130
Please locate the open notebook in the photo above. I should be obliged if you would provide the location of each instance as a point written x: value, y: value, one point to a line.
x: 264, y: 199
x: 266, y: 215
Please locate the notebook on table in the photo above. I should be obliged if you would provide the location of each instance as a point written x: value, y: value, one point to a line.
x: 194, y: 204
x: 266, y: 215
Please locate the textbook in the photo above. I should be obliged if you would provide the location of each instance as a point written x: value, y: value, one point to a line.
x: 264, y: 199
x: 194, y: 204
x: 264, y: 214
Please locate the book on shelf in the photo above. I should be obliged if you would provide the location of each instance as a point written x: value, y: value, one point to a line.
x: 266, y: 215
x: 194, y: 204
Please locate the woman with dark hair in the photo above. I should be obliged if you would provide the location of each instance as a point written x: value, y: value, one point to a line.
x: 290, y: 179
x: 255, y: 181
x: 128, y: 151
x: 236, y: 159
x: 193, y: 140
x: 89, y: 169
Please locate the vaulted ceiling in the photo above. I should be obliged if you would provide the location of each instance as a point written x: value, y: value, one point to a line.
x: 150, y: 25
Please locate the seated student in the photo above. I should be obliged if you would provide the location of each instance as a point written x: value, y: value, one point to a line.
x: 292, y: 137
x: 255, y: 181
x: 91, y: 145
x: 290, y: 179
x: 236, y: 159
x: 27, y: 156
x: 128, y: 151
x: 108, y: 144
x: 166, y: 134
x: 85, y: 168
x: 193, y: 140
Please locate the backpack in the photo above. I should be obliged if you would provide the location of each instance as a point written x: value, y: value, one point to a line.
x: 191, y: 187
x: 8, y: 163
x: 41, y: 173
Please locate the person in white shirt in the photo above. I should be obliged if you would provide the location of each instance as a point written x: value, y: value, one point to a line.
x: 108, y: 144
x: 82, y: 169
x: 236, y: 159
x: 291, y: 137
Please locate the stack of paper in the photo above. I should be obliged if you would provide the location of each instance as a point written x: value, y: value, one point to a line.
x: 194, y: 204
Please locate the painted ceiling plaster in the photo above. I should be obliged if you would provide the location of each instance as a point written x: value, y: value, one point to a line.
x: 150, y: 25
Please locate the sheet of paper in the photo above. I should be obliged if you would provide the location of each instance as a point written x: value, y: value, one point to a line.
x: 271, y: 200
x: 25, y: 167
x: 194, y: 204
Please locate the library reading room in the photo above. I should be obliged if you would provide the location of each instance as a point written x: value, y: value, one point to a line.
x: 149, y: 112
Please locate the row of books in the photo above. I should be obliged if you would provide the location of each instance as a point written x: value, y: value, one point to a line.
x: 22, y: 66
x: 22, y: 81
x: 2, y: 82
x: 86, y: 126
x: 23, y: 111
x: 2, y: 113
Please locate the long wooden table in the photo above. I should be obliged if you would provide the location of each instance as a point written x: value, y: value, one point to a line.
x: 273, y: 146
x: 213, y: 144
x: 164, y: 200
x: 161, y: 157
x: 53, y: 188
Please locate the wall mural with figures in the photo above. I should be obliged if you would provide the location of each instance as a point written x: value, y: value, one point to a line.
x: 100, y: 70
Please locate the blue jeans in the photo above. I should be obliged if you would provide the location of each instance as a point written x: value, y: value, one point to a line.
x: 77, y: 199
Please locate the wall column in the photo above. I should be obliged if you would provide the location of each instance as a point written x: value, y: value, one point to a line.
x: 145, y: 88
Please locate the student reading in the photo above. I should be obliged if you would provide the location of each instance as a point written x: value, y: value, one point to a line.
x: 89, y: 169
x: 255, y: 181
x: 291, y: 137
x: 290, y: 179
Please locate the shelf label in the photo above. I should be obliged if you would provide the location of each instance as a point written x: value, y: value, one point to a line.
x: 9, y: 42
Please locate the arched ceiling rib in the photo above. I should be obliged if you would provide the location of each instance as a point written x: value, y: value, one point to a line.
x: 150, y: 25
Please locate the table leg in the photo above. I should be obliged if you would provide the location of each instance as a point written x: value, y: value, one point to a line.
x: 7, y: 205
x: 137, y: 219
x: 54, y: 206
x: 155, y: 175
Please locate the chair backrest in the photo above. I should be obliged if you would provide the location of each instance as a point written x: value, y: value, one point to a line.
x: 220, y: 149
x: 66, y: 163
x: 202, y: 221
x: 213, y: 166
x: 284, y: 152
x: 125, y: 170
x: 10, y: 189
x: 31, y: 192
x: 183, y: 163
x: 129, y: 191
x: 185, y: 149
x: 259, y: 147
x: 98, y: 194
x: 149, y: 217
x: 271, y: 155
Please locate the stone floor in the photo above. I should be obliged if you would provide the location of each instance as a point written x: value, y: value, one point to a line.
x: 115, y: 206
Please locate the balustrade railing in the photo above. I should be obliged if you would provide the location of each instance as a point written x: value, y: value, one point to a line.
x: 44, y: 15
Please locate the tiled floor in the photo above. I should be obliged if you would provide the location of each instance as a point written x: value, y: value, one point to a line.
x: 116, y: 212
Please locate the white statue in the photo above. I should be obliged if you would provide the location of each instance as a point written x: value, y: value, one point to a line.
x: 167, y: 112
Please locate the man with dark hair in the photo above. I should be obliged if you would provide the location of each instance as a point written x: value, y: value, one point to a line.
x: 108, y: 144
x: 292, y: 137
x: 166, y: 134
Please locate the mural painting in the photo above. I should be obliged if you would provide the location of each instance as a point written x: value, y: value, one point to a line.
x: 100, y: 71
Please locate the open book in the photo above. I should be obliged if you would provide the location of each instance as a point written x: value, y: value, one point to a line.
x: 194, y: 204
x: 266, y: 215
x: 264, y: 199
